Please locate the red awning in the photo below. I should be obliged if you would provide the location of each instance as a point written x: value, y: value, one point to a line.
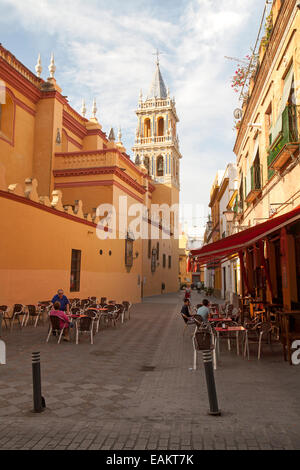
x: 228, y: 246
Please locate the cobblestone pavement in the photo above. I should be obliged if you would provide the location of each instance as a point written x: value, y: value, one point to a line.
x: 133, y: 389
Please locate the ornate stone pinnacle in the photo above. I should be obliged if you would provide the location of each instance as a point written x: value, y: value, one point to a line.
x: 94, y: 109
x: 38, y: 67
x: 52, y: 67
x: 120, y: 135
x: 83, y: 108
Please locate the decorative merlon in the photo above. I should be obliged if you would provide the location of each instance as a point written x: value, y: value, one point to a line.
x: 30, y: 192
x: 79, y: 209
x: 16, y: 189
x: 31, y: 189
x: 45, y: 201
x: 56, y: 202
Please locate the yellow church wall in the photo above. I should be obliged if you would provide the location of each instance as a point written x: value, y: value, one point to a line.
x: 17, y: 155
x: 40, y: 244
x: 48, y: 120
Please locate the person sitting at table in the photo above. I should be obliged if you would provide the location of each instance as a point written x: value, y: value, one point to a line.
x: 64, y: 321
x: 185, y: 311
x: 63, y: 301
x: 204, y: 310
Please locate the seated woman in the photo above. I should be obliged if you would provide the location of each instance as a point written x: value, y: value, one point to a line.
x: 64, y: 320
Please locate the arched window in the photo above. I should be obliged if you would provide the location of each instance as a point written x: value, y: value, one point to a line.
x: 147, y: 164
x: 7, y: 118
x: 160, y: 127
x: 160, y: 166
x: 147, y: 128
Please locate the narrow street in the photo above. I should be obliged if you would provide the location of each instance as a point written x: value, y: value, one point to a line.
x: 133, y: 389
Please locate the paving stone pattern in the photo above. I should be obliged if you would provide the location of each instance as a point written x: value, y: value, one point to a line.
x: 133, y: 389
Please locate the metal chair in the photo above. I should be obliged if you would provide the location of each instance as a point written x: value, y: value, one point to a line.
x: 55, y: 327
x: 188, y: 321
x: 110, y: 314
x: 4, y: 309
x: 121, y: 312
x: 95, y: 315
x: 127, y: 306
x: 85, y: 325
x: 33, y: 312
x: 265, y: 329
x: 18, y: 311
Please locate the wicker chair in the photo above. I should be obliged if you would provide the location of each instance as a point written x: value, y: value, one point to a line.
x: 84, y: 303
x: 110, y: 314
x: 55, y: 327
x: 127, y: 306
x: 121, y: 312
x: 33, y: 313
x: 85, y: 325
x: 4, y: 310
x: 265, y: 330
x: 95, y: 315
x: 18, y: 311
x: 188, y: 322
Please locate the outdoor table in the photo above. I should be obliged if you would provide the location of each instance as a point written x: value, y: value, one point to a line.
x: 217, y: 320
x: 237, y: 330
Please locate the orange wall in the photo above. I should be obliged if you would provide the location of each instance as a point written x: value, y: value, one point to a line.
x: 35, y: 258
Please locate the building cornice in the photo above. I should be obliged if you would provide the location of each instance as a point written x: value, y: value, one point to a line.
x: 114, y: 170
x: 15, y: 79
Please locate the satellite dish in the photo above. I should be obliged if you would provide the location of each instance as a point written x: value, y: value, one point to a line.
x: 238, y: 113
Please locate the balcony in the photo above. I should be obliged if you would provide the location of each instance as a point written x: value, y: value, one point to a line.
x: 154, y: 140
x: 253, y: 183
x: 287, y: 141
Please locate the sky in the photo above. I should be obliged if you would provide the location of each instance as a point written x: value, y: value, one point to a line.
x: 104, y: 49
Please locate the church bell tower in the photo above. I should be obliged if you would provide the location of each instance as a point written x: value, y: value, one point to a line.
x: 156, y: 144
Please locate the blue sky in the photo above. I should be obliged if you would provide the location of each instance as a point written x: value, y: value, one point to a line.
x: 104, y: 49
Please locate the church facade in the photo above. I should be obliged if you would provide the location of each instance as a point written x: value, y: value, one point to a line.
x: 56, y: 168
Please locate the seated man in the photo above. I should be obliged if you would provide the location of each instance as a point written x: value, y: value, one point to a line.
x: 204, y: 310
x: 185, y: 311
x: 63, y: 301
x: 64, y: 320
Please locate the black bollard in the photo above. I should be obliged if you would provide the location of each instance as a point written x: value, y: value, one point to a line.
x: 210, y: 381
x: 38, y: 401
